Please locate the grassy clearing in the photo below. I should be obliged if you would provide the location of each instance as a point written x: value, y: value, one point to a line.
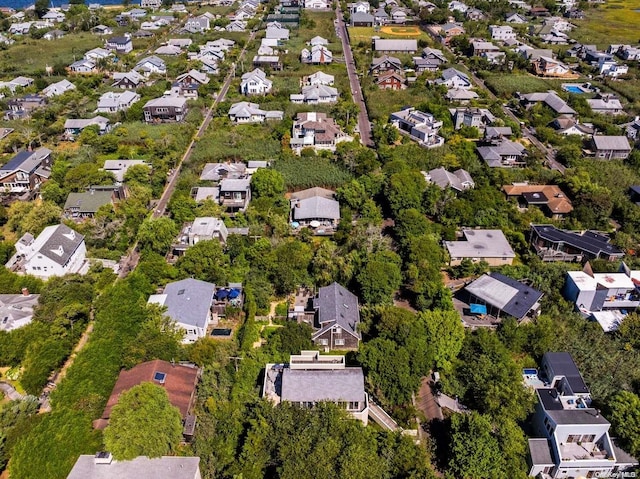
x: 506, y: 85
x: 307, y: 172
x: 33, y: 56
x: 241, y: 142
x: 615, y: 22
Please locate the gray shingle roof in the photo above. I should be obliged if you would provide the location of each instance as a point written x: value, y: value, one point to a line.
x: 507, y: 294
x: 189, y: 301
x: 61, y: 236
x: 323, y: 385
x: 540, y: 451
x: 602, y: 142
x: 337, y: 304
x: 316, y: 207
x: 174, y: 467
x: 87, y: 201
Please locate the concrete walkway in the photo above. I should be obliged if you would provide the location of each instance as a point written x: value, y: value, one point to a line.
x: 10, y: 392
x: 381, y: 417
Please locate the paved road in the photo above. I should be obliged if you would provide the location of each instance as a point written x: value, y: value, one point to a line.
x: 364, y: 125
x: 426, y: 401
x: 549, y: 154
x: 131, y: 261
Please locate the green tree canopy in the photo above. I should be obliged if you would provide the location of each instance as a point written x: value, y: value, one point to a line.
x: 206, y: 261
x: 445, y: 335
x: 625, y: 418
x: 380, y: 277
x: 143, y: 423
x: 475, y: 451
x: 267, y: 182
x: 157, y: 234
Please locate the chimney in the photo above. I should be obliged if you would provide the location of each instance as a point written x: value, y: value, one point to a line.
x: 25, y: 291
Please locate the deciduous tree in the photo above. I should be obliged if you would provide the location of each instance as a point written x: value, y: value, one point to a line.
x: 143, y: 423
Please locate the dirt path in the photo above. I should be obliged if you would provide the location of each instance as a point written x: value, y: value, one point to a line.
x: 81, y: 344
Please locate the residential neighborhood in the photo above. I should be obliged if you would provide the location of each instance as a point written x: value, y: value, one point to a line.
x: 295, y: 239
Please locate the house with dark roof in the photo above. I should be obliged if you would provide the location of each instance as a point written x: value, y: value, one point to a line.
x: 503, y: 296
x: 188, y: 303
x: 20, y: 108
x: 26, y: 171
x: 549, y: 198
x: 572, y: 434
x: 311, y: 378
x: 102, y: 465
x: 609, y: 147
x: 57, y: 251
x: 550, y: 99
x: 503, y: 154
x: 170, y: 108
x: 235, y: 194
x: 86, y: 204
x: 120, y: 45
x: 384, y: 65
x: 336, y: 320
x: 553, y: 244
x: 178, y: 380
x: 315, y: 208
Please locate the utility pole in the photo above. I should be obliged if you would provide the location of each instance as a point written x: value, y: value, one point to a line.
x: 235, y: 360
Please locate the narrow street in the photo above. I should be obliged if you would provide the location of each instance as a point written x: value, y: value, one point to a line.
x: 132, y: 258
x: 548, y: 153
x: 364, y: 125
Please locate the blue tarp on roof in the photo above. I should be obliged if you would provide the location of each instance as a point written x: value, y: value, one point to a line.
x: 478, y: 309
x: 234, y: 293
x: 222, y: 294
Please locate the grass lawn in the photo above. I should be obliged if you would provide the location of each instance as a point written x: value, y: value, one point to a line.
x: 30, y: 56
x: 506, y: 85
x: 615, y: 22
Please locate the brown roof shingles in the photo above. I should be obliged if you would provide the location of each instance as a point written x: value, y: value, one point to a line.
x: 180, y: 383
x: 557, y: 201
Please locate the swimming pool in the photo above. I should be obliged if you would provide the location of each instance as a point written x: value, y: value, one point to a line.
x: 573, y: 89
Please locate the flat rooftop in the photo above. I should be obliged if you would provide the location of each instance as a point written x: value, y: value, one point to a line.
x: 481, y: 244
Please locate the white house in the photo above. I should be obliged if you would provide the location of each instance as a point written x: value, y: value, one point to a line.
x: 112, y: 102
x: 188, y: 303
x: 317, y: 4
x: 97, y: 54
x: 314, y: 94
x: 246, y: 112
x: 453, y: 78
x: 502, y: 32
x: 255, y: 83
x: 319, y: 78
x: 57, y: 251
x: 611, y: 68
x: 151, y: 65
x: 58, y: 88
x: 573, y: 436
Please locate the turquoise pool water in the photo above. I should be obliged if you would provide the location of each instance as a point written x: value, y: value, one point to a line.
x: 573, y: 89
